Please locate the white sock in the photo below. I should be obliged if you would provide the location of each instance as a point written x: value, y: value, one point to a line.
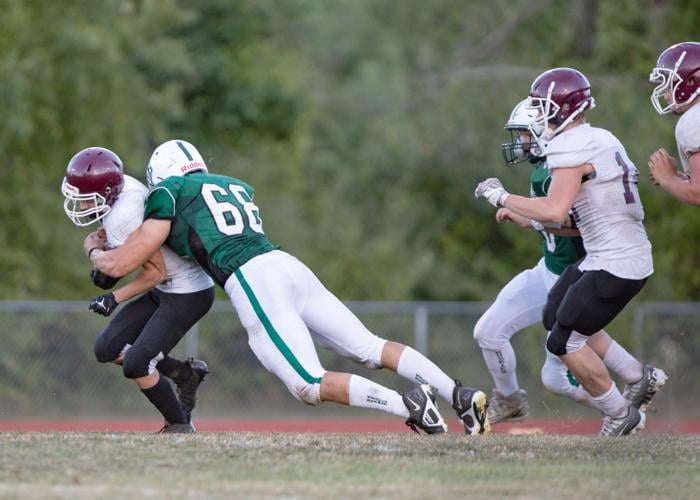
x: 581, y: 396
x: 420, y: 370
x: 612, y: 403
x: 501, y: 364
x: 623, y: 364
x: 367, y: 394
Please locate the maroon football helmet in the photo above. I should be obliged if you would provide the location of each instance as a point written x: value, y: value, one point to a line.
x: 94, y: 178
x: 560, y: 95
x: 677, y: 77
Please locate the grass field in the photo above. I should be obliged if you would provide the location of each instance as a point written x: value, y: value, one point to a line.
x: 392, y: 465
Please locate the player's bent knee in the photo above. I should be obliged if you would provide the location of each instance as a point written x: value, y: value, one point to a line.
x: 557, y: 339
x: 102, y: 351
x: 556, y: 382
x: 133, y: 367
x: 489, y: 335
x: 372, y: 357
x: 308, y: 393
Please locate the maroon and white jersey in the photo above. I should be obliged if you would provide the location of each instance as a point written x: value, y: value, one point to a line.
x: 126, y: 215
x: 688, y: 135
x: 607, y: 209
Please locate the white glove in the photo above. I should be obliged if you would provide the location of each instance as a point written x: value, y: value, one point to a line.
x: 493, y: 191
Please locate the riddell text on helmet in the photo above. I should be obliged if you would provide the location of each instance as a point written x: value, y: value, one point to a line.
x: 190, y: 166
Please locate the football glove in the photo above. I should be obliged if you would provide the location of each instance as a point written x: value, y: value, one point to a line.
x: 104, y: 304
x: 492, y: 191
x: 102, y: 280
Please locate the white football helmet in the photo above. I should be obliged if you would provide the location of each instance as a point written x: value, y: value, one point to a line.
x: 518, y: 149
x: 176, y: 157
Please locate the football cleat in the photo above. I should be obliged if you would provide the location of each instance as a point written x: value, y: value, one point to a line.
x: 187, y: 428
x: 627, y: 425
x: 471, y: 407
x: 641, y: 393
x: 187, y: 390
x: 423, y: 412
x: 512, y: 408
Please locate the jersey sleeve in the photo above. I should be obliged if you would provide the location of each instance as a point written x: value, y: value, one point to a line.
x: 160, y: 203
x: 123, y: 221
x: 571, y: 149
x: 688, y: 138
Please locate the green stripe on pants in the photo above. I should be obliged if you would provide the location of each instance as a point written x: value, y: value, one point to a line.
x: 272, y: 333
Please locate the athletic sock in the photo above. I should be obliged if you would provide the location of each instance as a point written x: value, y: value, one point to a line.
x: 163, y: 398
x: 367, y: 394
x: 501, y: 363
x: 174, y: 369
x: 418, y: 369
x: 612, y: 403
x: 581, y: 396
x: 623, y: 364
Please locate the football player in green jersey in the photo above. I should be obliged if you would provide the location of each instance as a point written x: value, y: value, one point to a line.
x: 520, y: 303
x: 281, y: 303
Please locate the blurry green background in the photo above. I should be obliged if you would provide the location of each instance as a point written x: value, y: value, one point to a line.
x: 364, y: 126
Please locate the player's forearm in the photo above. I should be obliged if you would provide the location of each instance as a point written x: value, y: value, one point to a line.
x: 117, y: 262
x: 682, y: 189
x: 146, y: 280
x: 541, y: 209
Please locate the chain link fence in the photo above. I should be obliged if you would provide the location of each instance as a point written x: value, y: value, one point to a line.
x: 48, y: 369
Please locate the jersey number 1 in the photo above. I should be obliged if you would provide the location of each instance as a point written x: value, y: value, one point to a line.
x: 629, y: 195
x: 227, y: 215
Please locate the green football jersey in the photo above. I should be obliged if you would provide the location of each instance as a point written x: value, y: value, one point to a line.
x: 559, y: 251
x: 214, y: 221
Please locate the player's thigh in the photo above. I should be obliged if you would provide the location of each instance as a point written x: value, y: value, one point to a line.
x: 124, y: 328
x: 556, y: 294
x: 337, y: 328
x: 595, y: 300
x: 175, y: 315
x: 518, y: 305
x: 263, y: 297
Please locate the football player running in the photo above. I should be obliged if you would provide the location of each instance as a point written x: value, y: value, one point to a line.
x: 176, y: 293
x: 592, y: 177
x: 519, y: 304
x: 677, y: 91
x: 280, y: 302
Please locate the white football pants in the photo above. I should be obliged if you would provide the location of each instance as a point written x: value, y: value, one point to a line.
x: 519, y: 305
x: 278, y: 299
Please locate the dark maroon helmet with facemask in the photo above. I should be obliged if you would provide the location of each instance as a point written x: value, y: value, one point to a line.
x: 94, y: 178
x: 560, y: 95
x: 677, y: 77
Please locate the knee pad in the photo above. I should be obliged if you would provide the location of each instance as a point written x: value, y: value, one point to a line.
x: 488, y: 335
x: 555, y: 377
x: 137, y: 365
x: 557, y: 339
x: 372, y: 358
x: 102, y: 353
x: 308, y: 393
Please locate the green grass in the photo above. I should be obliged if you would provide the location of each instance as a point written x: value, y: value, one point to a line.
x: 255, y: 465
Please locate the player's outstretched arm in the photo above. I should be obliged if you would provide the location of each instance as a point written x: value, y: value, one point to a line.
x: 138, y: 248
x: 566, y: 183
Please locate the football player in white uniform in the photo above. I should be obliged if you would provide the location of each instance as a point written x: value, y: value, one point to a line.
x: 177, y: 292
x: 594, y: 179
x: 677, y: 80
x: 520, y: 303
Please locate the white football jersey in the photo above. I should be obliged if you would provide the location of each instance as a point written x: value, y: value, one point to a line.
x: 688, y: 135
x: 126, y: 215
x: 607, y: 209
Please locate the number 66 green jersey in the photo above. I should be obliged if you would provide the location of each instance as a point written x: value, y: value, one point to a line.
x: 214, y: 221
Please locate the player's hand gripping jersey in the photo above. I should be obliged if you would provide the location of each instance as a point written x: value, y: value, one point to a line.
x: 126, y: 215
x: 688, y: 135
x: 607, y: 210
x: 214, y: 219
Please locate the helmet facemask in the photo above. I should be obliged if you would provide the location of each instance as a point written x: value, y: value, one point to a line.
x: 517, y: 150
x: 97, y: 207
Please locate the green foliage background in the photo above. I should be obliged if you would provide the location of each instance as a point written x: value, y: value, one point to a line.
x: 363, y: 124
